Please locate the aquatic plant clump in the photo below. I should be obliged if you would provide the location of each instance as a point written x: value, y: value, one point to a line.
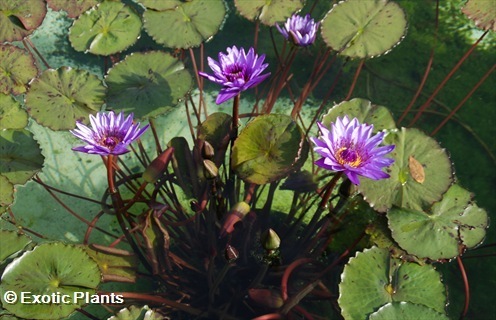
x: 304, y: 201
x: 299, y: 30
x: 350, y: 147
x: 236, y: 71
x: 110, y: 134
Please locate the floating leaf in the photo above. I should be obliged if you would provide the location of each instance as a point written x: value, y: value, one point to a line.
x: 401, y: 189
x: 187, y: 24
x: 267, y: 149
x: 20, y: 18
x: 106, y: 29
x: 18, y: 68
x: 364, y: 111
x: 12, y: 242
x: 216, y: 130
x: 6, y: 195
x: 373, y: 279
x: 113, y: 266
x: 268, y: 12
x: 482, y: 12
x: 136, y: 313
x: 74, y: 8
x: 20, y: 156
x: 406, y: 311
x: 61, y: 96
x: 452, y: 224
x: 50, y: 268
x: 364, y: 29
x: 12, y: 116
x: 148, y: 84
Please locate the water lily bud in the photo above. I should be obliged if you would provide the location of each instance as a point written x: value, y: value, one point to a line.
x: 158, y: 165
x: 270, y: 240
x: 208, y: 151
x: 237, y: 213
x: 231, y: 253
x: 211, y: 170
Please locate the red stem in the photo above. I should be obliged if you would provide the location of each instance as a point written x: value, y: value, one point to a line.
x: 427, y: 69
x: 448, y: 76
x: 355, y: 79
x: 466, y: 284
x: 452, y: 113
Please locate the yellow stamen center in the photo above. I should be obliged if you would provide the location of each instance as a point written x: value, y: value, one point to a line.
x: 348, y: 156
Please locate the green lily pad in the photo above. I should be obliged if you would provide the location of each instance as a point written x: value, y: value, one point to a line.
x: 364, y: 111
x: 148, y: 84
x: 188, y: 23
x: 18, y: 68
x: 19, y: 19
x: 12, y: 242
x: 108, y: 28
x: 406, y: 311
x: 74, y: 8
x: 364, y: 29
x: 136, y: 313
x: 268, y: 12
x: 50, y: 268
x: 216, y: 129
x: 20, y: 156
x: 6, y: 194
x: 482, y: 12
x: 114, y: 267
x: 12, y: 116
x: 60, y: 97
x: 452, y: 224
x: 373, y: 279
x: 267, y: 149
x: 404, y: 188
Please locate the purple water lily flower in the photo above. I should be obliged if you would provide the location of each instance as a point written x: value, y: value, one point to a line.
x: 236, y: 71
x: 350, y: 147
x: 110, y: 134
x: 299, y: 30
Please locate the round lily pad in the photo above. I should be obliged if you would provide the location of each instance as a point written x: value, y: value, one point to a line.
x: 60, y: 97
x: 364, y: 111
x: 12, y: 116
x: 20, y: 156
x: 148, y: 84
x: 403, y: 188
x: 452, y: 224
x: 18, y: 68
x: 482, y: 12
x: 50, y: 268
x: 74, y: 8
x: 20, y: 18
x: 364, y: 29
x: 106, y: 29
x: 188, y: 23
x: 373, y: 279
x: 406, y: 311
x: 268, y: 149
x: 268, y: 12
x: 12, y: 241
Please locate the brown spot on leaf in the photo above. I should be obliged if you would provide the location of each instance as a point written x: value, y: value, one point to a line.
x: 416, y: 169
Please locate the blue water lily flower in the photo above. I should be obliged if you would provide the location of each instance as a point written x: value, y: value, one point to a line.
x: 299, y: 30
x: 110, y: 134
x: 350, y: 147
x: 236, y: 71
